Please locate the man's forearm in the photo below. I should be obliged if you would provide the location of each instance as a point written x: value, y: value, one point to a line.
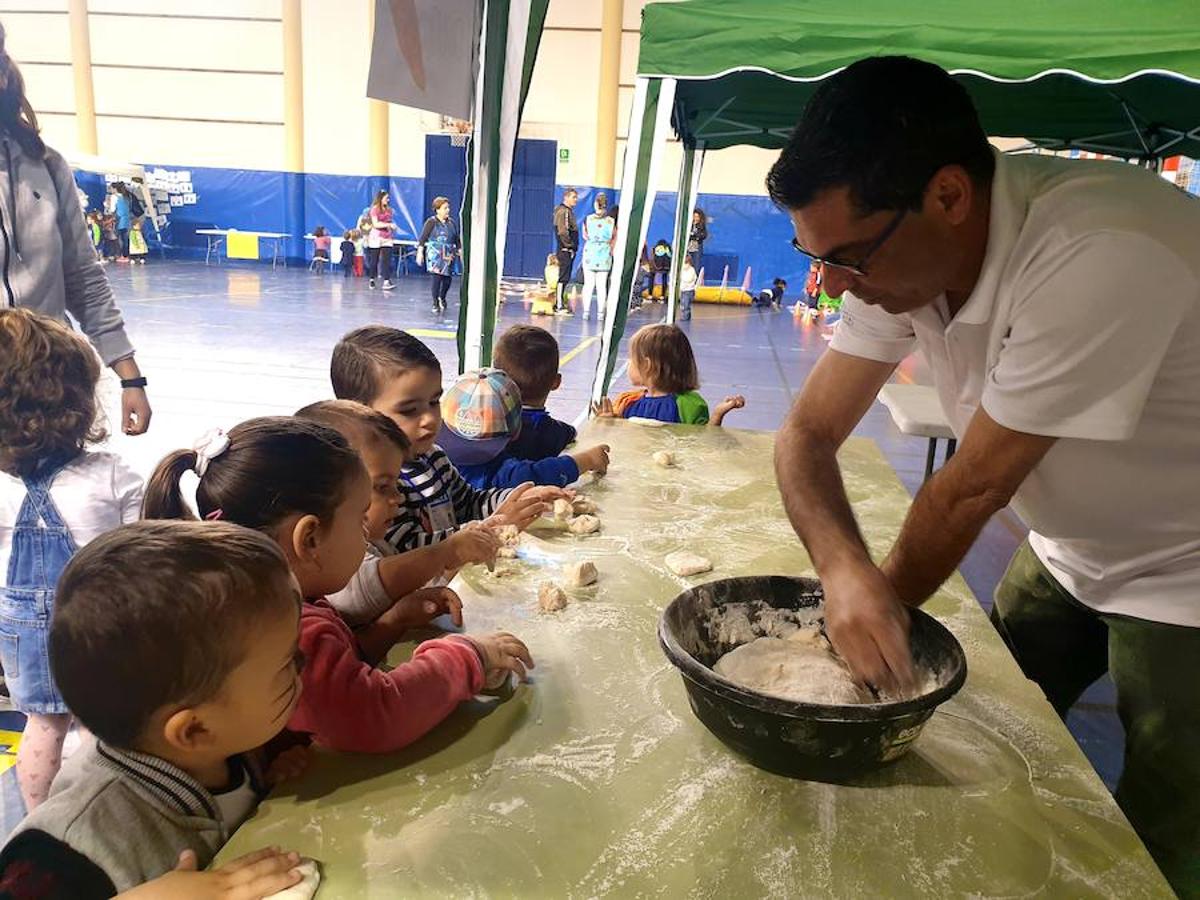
x: 814, y: 497
x: 945, y: 518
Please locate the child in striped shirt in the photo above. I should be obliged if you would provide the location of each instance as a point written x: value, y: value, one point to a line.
x: 393, y: 372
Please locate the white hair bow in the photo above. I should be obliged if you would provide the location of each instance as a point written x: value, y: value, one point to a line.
x: 208, y: 448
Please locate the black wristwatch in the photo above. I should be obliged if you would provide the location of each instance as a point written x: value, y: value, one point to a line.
x: 139, y: 382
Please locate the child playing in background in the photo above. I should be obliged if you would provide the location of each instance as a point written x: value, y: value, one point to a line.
x: 96, y: 234
x: 303, y: 485
x: 544, y: 297
x: 175, y: 644
x: 137, y: 242
x: 529, y: 355
x: 346, y: 248
x: 481, y: 415
x: 641, y: 285
x: 321, y: 245
x: 393, y: 372
x: 687, y: 289
x: 660, y: 267
x: 360, y: 252
x: 386, y: 579
x: 112, y: 240
x: 662, y: 365
x: 772, y: 297
x: 55, y: 497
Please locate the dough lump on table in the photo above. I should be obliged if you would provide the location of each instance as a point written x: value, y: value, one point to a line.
x: 563, y: 509
x: 584, y: 505
x: 685, y: 562
x: 664, y: 458
x: 551, y: 598
x: 509, y: 535
x: 306, y: 887
x: 584, y: 525
x: 580, y: 574
x: 506, y: 553
x: 795, y: 668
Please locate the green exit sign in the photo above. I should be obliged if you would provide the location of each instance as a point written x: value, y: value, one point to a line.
x: 564, y: 155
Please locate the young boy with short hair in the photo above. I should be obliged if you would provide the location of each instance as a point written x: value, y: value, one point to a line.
x: 175, y: 644
x: 530, y: 357
x: 482, y: 416
x: 394, y: 373
x: 387, y: 577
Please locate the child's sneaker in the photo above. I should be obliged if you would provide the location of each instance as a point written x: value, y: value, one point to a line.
x: 388, y: 286
x: 371, y: 283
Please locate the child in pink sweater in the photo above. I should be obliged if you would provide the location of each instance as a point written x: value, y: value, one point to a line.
x: 301, y: 483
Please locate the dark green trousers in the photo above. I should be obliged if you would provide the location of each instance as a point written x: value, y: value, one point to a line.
x: 1064, y: 647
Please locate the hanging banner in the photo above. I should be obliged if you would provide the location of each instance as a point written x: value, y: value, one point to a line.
x: 423, y: 54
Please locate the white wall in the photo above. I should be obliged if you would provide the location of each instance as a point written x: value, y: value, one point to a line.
x: 199, y: 83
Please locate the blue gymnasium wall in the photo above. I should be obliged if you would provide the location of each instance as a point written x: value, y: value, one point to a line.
x: 747, y: 230
x: 742, y: 230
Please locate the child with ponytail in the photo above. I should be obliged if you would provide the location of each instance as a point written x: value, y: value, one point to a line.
x: 302, y: 484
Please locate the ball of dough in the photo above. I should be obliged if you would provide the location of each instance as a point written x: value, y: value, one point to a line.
x: 551, y: 598
x: 506, y: 553
x: 685, y: 562
x: 563, y: 509
x: 306, y: 887
x: 664, y: 458
x: 580, y: 574
x: 584, y: 506
x: 502, y: 571
x: 509, y: 535
x: 584, y: 525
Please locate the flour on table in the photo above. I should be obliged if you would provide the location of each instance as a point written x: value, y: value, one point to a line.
x: 802, y: 668
x: 580, y: 574
x: 306, y: 887
x: 551, y: 598
x: 584, y: 524
x: 685, y: 562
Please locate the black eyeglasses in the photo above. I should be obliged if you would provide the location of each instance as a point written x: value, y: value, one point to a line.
x: 859, y: 268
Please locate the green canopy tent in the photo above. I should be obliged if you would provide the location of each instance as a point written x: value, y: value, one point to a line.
x: 1120, y: 77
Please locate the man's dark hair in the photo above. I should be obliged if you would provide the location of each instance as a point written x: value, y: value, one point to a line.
x: 155, y: 614
x: 882, y: 127
x: 529, y: 355
x: 366, y: 356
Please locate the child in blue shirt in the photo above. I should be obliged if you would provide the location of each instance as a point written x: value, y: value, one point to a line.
x: 481, y: 417
x: 663, y: 369
x: 529, y: 356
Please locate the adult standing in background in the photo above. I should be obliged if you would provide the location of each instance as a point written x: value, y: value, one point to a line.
x: 697, y: 236
x: 123, y: 210
x: 47, y: 263
x: 566, y: 242
x: 379, y: 241
x: 437, y: 249
x: 599, y: 236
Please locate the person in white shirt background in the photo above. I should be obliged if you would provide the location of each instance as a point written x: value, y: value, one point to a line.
x: 1012, y: 274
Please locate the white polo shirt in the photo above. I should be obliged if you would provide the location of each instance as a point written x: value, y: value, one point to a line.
x: 1084, y: 325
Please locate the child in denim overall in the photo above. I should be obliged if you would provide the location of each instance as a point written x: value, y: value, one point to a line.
x: 55, y: 496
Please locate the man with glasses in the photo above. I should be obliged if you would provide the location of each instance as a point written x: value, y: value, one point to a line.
x: 1014, y: 276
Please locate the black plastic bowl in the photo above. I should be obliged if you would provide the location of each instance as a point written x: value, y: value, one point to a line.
x: 806, y: 740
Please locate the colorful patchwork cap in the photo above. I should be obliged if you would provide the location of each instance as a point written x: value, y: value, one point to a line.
x: 481, y: 413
